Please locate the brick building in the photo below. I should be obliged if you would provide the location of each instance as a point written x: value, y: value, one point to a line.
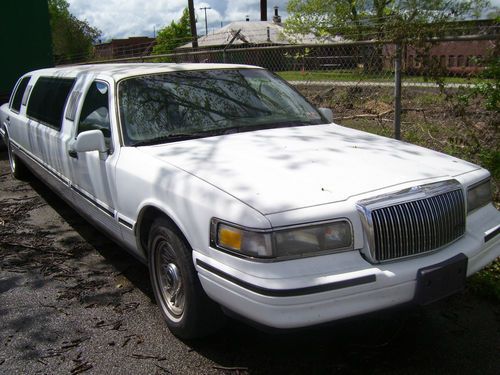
x: 454, y: 56
x: 121, y: 48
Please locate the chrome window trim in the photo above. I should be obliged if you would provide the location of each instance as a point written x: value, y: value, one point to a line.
x: 27, y: 89
x: 11, y: 98
x: 72, y: 105
x: 26, y: 95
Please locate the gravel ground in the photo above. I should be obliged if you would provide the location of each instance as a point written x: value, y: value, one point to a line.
x: 71, y: 301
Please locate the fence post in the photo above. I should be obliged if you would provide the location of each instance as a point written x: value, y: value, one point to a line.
x: 224, y: 53
x: 397, y: 92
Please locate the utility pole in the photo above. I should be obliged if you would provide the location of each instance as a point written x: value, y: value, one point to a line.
x: 206, y: 24
x: 192, y: 20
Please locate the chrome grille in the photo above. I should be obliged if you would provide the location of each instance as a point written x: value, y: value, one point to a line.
x: 417, y: 226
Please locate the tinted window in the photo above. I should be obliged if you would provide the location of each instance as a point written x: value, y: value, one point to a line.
x: 47, y: 100
x: 18, y: 95
x: 95, y: 110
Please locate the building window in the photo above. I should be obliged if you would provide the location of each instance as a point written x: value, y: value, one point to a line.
x: 469, y: 61
x: 451, y: 61
x: 460, y: 60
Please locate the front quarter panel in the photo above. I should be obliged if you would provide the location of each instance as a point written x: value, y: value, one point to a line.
x: 146, y: 181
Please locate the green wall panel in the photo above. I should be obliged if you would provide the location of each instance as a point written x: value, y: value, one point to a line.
x: 25, y: 40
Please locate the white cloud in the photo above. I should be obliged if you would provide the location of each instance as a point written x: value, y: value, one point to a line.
x: 125, y: 18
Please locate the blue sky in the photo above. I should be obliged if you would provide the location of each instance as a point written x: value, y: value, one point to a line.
x: 124, y: 18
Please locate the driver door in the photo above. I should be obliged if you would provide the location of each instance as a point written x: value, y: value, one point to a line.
x: 93, y: 178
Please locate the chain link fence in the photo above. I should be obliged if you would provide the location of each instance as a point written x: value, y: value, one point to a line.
x: 425, y: 93
x: 356, y: 79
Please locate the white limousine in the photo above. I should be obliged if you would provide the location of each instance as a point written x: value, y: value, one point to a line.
x: 245, y: 199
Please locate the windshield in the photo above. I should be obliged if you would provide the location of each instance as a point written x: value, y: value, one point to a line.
x: 191, y: 104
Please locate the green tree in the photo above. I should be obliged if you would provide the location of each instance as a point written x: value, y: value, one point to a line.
x: 488, y: 86
x: 400, y: 21
x: 173, y: 35
x: 72, y: 39
x: 378, y: 19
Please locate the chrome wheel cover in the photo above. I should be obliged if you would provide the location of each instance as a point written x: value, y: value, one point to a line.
x: 169, y: 280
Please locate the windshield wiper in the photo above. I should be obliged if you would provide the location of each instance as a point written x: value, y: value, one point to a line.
x: 178, y: 137
x: 272, y: 125
x: 221, y: 131
x: 166, y: 139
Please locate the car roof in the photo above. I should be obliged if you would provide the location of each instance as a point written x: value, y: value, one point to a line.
x: 119, y: 71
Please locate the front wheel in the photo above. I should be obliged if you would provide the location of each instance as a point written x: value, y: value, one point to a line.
x: 188, y: 312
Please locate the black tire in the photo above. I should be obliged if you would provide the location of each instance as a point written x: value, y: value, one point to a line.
x: 188, y: 312
x: 17, y: 167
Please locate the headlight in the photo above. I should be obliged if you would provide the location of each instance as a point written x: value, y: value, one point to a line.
x: 479, y: 195
x: 245, y: 242
x: 313, y: 239
x: 287, y: 242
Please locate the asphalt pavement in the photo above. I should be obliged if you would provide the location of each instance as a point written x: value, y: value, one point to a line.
x: 72, y: 301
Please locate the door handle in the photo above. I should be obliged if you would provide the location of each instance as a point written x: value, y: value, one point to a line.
x: 73, y: 154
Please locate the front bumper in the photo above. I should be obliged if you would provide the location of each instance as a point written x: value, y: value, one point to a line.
x: 306, y: 292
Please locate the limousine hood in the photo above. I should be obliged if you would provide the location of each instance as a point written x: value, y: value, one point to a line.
x: 283, y: 169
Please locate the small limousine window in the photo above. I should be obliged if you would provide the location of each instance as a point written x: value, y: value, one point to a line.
x: 95, y: 110
x: 47, y: 100
x: 18, y: 95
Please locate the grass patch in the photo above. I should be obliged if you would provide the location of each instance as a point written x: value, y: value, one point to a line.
x: 426, y: 99
x: 355, y: 76
x: 369, y: 126
x: 487, y: 282
x: 432, y: 120
x: 490, y: 159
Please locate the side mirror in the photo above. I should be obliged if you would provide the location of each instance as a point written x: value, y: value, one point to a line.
x: 90, y: 140
x: 327, y: 113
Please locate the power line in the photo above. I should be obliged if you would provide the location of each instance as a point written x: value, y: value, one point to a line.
x: 206, y: 23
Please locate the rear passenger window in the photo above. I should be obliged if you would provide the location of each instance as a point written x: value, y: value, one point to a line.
x: 18, y: 95
x: 47, y: 100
